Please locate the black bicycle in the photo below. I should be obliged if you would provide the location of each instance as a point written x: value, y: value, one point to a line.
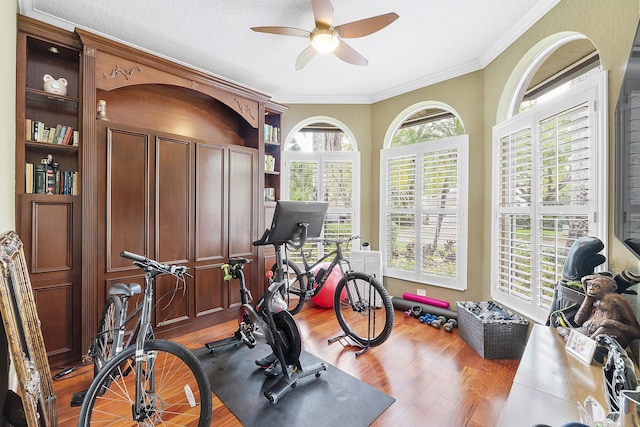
x: 152, y: 381
x: 362, y: 305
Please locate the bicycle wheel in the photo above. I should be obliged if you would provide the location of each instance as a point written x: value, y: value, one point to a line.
x: 364, y: 309
x: 296, y: 284
x: 175, y: 389
x: 103, y: 349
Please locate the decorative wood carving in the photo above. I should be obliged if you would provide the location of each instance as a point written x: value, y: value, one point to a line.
x: 117, y: 71
x: 244, y: 109
x: 160, y: 71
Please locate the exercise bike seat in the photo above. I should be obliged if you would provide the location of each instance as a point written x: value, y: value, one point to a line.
x: 238, y: 261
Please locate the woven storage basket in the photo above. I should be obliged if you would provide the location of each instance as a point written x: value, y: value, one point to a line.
x: 492, y: 339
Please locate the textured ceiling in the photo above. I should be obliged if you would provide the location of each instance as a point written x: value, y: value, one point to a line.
x: 433, y: 40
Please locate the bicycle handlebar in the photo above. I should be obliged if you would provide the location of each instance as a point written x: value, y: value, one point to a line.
x: 336, y: 241
x: 147, y: 263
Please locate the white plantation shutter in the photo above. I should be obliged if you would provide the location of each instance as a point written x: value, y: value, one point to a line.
x: 440, y: 211
x: 631, y: 223
x: 338, y: 189
x: 515, y: 176
x: 547, y: 194
x: 326, y: 176
x: 303, y: 175
x: 401, y: 212
x: 423, y: 216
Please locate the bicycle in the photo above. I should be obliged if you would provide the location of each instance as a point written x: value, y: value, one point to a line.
x: 153, y: 381
x: 109, y: 340
x: 362, y: 305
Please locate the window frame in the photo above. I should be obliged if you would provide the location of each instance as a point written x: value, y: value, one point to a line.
x: 461, y: 144
x: 595, y: 92
x: 321, y: 157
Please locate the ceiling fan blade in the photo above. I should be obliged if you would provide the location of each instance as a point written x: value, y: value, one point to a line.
x: 367, y: 26
x: 284, y: 31
x: 304, y: 57
x: 322, y: 13
x: 348, y: 54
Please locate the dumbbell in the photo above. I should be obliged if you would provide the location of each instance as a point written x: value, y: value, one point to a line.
x: 451, y: 323
x: 427, y: 318
x: 413, y: 311
x: 438, y: 321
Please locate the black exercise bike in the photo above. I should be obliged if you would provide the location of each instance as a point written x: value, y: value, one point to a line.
x: 269, y: 322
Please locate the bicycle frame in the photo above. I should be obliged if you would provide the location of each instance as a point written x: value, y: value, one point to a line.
x: 145, y: 327
x: 123, y: 320
x: 121, y: 344
x: 338, y: 260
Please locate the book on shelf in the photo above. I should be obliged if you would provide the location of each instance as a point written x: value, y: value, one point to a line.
x: 50, y: 179
x: 52, y: 135
x: 269, y: 163
x: 66, y: 140
x: 60, y: 134
x: 46, y: 179
x: 28, y: 178
x: 55, y: 135
x: 271, y: 133
x: 39, y: 179
x: 269, y: 194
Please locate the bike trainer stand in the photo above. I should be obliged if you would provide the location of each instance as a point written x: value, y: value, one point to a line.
x: 348, y: 342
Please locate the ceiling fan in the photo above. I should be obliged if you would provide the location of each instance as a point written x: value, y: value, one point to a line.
x: 326, y: 38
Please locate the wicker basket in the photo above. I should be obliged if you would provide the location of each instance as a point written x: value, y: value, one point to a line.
x: 492, y: 339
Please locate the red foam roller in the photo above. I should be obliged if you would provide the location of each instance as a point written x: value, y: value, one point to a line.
x: 426, y: 300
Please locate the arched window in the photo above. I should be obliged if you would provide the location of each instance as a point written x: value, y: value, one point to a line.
x: 549, y: 170
x: 321, y: 163
x: 423, y: 182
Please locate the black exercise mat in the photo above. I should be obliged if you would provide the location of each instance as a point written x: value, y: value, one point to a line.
x: 334, y: 399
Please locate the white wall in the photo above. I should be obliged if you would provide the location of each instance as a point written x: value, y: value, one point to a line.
x: 8, y: 10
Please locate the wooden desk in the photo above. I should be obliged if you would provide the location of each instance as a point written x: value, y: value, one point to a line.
x: 549, y: 383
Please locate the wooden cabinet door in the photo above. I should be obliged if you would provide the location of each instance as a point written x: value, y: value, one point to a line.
x: 242, y: 216
x: 211, y: 240
x: 178, y: 201
x: 51, y: 233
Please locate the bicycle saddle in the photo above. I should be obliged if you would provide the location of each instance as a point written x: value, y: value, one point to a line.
x: 238, y: 261
x: 127, y: 290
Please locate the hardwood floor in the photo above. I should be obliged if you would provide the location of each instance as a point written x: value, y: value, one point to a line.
x: 435, y: 377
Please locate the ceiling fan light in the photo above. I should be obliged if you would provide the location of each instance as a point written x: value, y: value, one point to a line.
x: 324, y: 41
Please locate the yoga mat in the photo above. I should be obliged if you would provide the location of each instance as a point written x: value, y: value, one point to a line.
x: 333, y: 399
x: 404, y: 305
x: 426, y: 300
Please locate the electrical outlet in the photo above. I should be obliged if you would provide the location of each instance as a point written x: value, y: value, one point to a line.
x: 421, y: 292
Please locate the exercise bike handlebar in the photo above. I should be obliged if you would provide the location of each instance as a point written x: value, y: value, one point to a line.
x: 148, y: 264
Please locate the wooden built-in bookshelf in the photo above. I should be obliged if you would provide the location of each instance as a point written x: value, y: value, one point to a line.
x: 48, y: 180
x: 177, y: 174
